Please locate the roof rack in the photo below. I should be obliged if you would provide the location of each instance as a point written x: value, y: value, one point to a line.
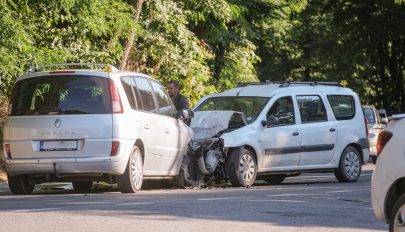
x: 267, y: 82
x: 38, y: 68
x: 311, y: 83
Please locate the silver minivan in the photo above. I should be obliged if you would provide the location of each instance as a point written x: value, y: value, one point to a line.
x: 82, y: 126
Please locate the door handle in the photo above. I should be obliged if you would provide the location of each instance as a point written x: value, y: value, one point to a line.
x: 295, y: 133
x: 332, y: 129
x: 167, y: 131
x: 146, y: 126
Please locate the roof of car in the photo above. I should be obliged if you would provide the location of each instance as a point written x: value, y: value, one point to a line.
x: 271, y: 89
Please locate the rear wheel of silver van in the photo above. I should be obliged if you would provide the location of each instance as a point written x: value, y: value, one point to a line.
x: 131, y: 180
x: 82, y: 186
x: 20, y: 185
x: 243, y: 168
x: 349, y: 166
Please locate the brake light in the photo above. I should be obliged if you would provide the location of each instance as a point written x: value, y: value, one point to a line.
x: 382, y: 140
x: 115, y: 98
x: 8, y: 150
x: 114, y: 148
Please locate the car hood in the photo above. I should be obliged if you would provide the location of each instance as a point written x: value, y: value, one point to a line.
x: 207, y: 124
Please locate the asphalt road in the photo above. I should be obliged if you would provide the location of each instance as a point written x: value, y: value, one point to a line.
x: 311, y: 202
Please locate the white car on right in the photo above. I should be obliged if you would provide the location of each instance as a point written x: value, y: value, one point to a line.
x: 388, y: 180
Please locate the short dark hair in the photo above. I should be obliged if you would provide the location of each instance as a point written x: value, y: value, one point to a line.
x: 175, y: 83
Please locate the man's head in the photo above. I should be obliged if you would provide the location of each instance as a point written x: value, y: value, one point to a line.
x: 173, y: 88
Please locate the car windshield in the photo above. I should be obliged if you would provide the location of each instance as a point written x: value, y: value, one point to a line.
x: 250, y: 106
x: 70, y: 94
x: 369, y: 114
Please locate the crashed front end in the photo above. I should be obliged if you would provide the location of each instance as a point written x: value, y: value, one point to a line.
x: 208, y: 155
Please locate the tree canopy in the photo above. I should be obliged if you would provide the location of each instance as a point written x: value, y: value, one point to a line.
x: 211, y: 45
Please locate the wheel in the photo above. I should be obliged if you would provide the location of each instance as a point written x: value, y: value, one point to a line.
x: 374, y: 159
x: 82, y: 186
x: 349, y: 165
x: 131, y: 180
x: 20, y: 185
x: 397, y: 218
x: 275, y: 179
x: 242, y: 168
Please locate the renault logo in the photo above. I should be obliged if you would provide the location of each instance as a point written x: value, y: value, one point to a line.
x: 57, y: 123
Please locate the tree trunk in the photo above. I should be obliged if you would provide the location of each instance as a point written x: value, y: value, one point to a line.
x: 131, y: 39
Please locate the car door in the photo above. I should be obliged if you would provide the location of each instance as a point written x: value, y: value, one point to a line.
x: 318, y: 133
x: 172, y: 142
x: 280, y: 139
x: 149, y: 121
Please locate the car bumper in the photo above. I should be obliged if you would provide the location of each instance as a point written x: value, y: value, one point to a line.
x: 380, y: 185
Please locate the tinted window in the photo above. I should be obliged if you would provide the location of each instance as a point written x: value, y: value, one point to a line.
x: 62, y: 95
x: 164, y: 102
x: 128, y: 84
x: 343, y: 106
x: 145, y: 92
x: 281, y: 112
x: 250, y: 106
x: 311, y: 109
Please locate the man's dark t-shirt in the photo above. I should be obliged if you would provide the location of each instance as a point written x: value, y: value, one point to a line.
x: 181, y: 102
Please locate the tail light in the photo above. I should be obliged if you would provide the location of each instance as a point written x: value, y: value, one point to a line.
x: 114, y: 148
x: 115, y: 98
x: 8, y: 150
x: 382, y: 140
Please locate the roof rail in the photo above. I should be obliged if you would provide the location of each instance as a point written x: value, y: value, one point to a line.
x: 38, y: 68
x: 243, y: 84
x: 311, y: 83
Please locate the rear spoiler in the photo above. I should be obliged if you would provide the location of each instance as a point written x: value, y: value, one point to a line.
x: 396, y: 116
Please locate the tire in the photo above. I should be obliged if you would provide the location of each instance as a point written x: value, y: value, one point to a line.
x: 20, y: 185
x: 275, y: 179
x: 131, y: 180
x: 349, y: 169
x: 242, y: 168
x: 82, y: 186
x: 397, y: 222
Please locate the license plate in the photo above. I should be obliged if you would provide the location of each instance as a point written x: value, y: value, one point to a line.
x: 58, y: 145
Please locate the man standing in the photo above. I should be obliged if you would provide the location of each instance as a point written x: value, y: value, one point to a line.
x: 179, y: 101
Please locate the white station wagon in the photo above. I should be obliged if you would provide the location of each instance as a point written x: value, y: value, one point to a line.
x: 275, y: 130
x: 91, y: 125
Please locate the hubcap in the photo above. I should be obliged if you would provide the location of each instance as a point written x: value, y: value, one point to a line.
x: 399, y: 221
x: 246, y: 167
x: 136, y: 169
x: 352, y: 165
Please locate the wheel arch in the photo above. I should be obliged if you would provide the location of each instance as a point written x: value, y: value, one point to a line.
x: 141, y: 146
x: 394, y: 192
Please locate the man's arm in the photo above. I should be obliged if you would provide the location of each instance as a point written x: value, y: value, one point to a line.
x: 184, y: 104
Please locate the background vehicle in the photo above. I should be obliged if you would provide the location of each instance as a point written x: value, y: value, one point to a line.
x: 270, y: 130
x: 91, y: 125
x: 388, y: 180
x: 374, y: 126
x: 383, y: 116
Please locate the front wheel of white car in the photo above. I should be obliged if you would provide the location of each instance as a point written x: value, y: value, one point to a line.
x: 397, y: 218
x: 131, y: 180
x: 242, y: 168
x: 349, y: 166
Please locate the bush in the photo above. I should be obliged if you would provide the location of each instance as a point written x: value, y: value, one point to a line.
x: 3, y: 115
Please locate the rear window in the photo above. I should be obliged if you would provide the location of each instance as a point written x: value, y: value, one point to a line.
x: 69, y: 94
x: 343, y: 106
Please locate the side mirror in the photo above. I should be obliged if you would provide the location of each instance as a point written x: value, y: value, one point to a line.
x: 185, y: 114
x: 270, y: 121
x: 384, y: 121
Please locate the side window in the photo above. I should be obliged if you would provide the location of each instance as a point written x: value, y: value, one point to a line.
x: 281, y: 113
x: 145, y: 92
x: 128, y: 84
x: 343, y: 106
x: 312, y: 109
x: 164, y: 102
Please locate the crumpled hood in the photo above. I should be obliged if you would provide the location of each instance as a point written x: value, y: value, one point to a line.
x: 206, y: 124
